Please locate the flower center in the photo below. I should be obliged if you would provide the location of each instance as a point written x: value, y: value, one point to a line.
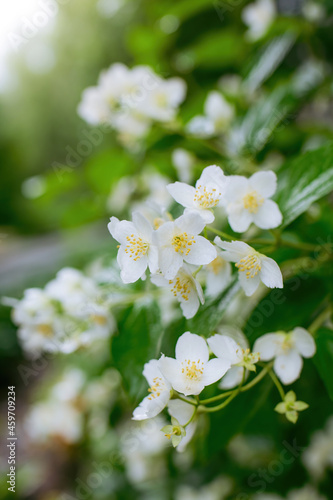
x: 205, y: 198
x: 182, y: 243
x: 181, y: 287
x: 252, y: 201
x: 136, y: 247
x: 192, y: 369
x: 216, y: 265
x: 161, y: 100
x: 45, y: 330
x: 98, y: 319
x: 156, y: 388
x: 250, y: 264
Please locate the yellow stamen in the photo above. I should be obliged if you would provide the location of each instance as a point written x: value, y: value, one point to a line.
x: 252, y: 201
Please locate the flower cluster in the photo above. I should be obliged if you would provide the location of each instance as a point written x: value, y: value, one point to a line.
x: 188, y: 374
x: 130, y: 100
x: 68, y: 313
x: 170, y: 248
x: 172, y: 380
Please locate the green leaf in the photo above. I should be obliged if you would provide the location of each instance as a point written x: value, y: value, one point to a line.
x: 267, y: 62
x: 136, y: 344
x: 324, y: 358
x: 304, y: 180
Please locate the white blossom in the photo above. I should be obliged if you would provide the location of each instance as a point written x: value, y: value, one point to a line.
x: 218, y: 115
x: 191, y: 371
x: 130, y: 100
x: 218, y: 275
x: 183, y: 412
x: 136, y: 251
x: 258, y: 16
x: 159, y: 392
x: 253, y: 267
x: 179, y: 241
x: 226, y: 348
x: 248, y: 201
x: 206, y: 195
x: 183, y: 162
x: 287, y: 350
x: 185, y: 288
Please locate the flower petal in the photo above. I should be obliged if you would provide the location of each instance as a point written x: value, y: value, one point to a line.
x: 206, y: 215
x: 180, y: 410
x: 213, y: 175
x: 303, y: 342
x: 151, y: 370
x: 121, y: 229
x: 250, y: 284
x: 268, y: 215
x: 224, y: 347
x: 191, y: 347
x: 202, y: 252
x: 269, y: 345
x: 232, y: 378
x: 182, y: 193
x: 169, y: 262
x: 190, y: 223
x: 143, y: 226
x: 214, y: 370
x: 264, y: 183
x: 239, y: 219
x: 189, y: 306
x: 237, y: 188
x: 288, y: 367
x: 153, y: 259
x: 270, y: 273
x: 150, y: 407
x: 234, y: 250
x: 131, y: 270
x: 170, y: 369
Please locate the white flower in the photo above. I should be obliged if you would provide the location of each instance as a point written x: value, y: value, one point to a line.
x: 191, y: 371
x: 247, y: 201
x: 218, y: 275
x: 183, y: 412
x: 179, y: 241
x: 35, y: 308
x: 258, y: 16
x: 73, y: 290
x: 253, y: 266
x: 218, y: 115
x: 206, y: 195
x: 54, y: 419
x: 287, y: 349
x: 319, y: 453
x: 224, y: 347
x: 161, y: 104
x: 136, y: 251
x: 159, y: 392
x: 183, y: 162
x: 129, y: 100
x: 308, y: 492
x: 185, y: 288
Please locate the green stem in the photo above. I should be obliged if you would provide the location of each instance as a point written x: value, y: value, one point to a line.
x: 320, y: 319
x: 225, y: 403
x: 196, y: 271
x: 220, y: 233
x: 281, y: 242
x: 244, y: 388
x: 189, y: 401
x: 193, y: 415
x: 278, y: 385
